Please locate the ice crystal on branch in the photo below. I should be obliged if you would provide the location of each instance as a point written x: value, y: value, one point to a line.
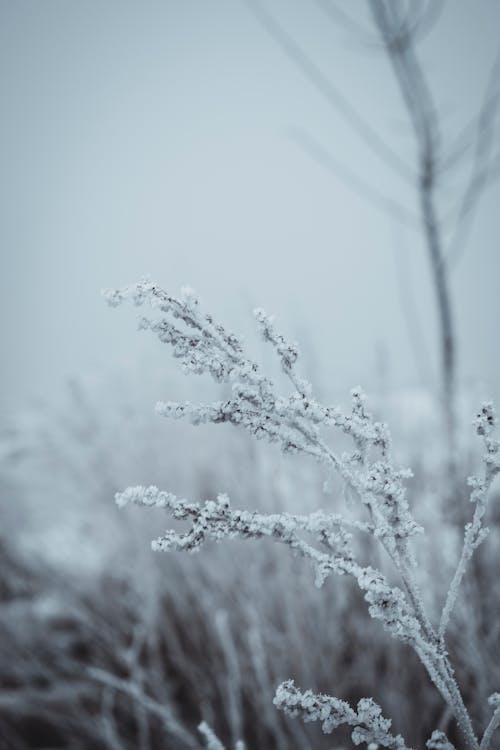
x: 293, y: 420
x: 215, y: 520
x: 475, y: 532
x: 368, y: 724
x: 297, y: 422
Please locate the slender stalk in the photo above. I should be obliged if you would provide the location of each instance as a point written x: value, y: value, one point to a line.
x: 417, y: 97
x: 440, y: 664
x: 459, y: 710
x: 490, y: 729
x: 473, y: 536
x: 443, y: 300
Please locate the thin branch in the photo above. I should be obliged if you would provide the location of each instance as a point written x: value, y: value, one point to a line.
x: 423, y: 115
x: 424, y: 19
x: 475, y: 533
x: 475, y: 128
x: 482, y: 160
x: 331, y: 93
x: 339, y: 16
x: 421, y: 24
x: 490, y: 730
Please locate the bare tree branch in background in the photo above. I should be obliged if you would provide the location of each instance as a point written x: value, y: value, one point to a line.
x: 482, y: 171
x: 398, y: 39
x: 339, y: 101
x: 401, y: 26
x: 421, y: 18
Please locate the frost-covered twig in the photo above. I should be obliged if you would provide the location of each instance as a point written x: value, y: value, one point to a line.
x: 367, y: 721
x: 475, y: 532
x: 215, y: 520
x: 493, y: 700
x: 296, y: 422
x: 292, y: 421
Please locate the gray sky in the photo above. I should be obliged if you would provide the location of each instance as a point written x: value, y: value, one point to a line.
x: 155, y: 138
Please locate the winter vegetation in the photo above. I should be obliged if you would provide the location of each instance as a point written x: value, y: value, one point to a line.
x: 341, y: 587
x: 296, y: 422
x: 105, y: 643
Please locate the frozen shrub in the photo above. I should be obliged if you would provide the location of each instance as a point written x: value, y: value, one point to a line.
x: 297, y: 423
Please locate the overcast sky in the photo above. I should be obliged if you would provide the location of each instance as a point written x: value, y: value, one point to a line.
x: 156, y: 138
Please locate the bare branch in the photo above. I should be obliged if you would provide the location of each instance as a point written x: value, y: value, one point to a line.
x: 475, y: 532
x: 331, y: 93
x: 481, y: 163
x: 424, y: 118
x: 339, y: 16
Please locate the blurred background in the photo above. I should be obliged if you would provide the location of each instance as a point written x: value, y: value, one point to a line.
x: 280, y: 154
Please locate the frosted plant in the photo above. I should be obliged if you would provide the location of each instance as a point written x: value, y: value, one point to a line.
x: 297, y: 423
x: 368, y: 722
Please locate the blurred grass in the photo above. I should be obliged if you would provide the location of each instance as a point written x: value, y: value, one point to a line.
x: 206, y: 636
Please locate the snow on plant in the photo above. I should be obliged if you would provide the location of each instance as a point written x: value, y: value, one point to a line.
x: 297, y: 423
x: 368, y: 722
